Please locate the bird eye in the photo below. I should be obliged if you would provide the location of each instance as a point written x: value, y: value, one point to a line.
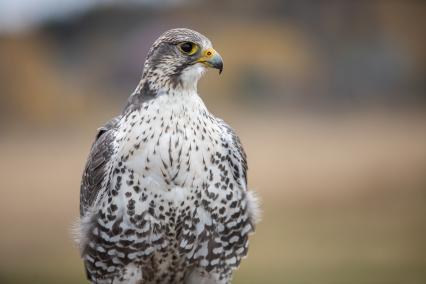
x: 188, y: 47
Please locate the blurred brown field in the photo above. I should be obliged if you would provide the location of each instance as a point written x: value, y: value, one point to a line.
x: 328, y: 98
x: 343, y: 200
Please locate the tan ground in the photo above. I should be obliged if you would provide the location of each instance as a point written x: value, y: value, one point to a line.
x: 344, y: 199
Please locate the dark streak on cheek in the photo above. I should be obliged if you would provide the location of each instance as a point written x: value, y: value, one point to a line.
x: 175, y: 78
x: 167, y: 57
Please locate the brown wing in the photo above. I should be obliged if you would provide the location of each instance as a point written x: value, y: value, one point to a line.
x: 96, y: 166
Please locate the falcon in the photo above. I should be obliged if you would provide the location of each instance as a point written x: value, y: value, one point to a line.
x: 164, y: 195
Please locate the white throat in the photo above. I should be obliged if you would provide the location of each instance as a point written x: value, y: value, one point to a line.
x: 191, y: 75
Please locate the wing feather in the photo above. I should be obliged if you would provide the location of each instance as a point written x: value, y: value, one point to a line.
x: 236, y: 155
x: 96, y: 169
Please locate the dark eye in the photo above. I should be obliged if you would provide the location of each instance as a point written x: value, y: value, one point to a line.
x: 188, y: 47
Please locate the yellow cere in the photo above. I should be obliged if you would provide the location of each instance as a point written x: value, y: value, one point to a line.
x: 209, y: 52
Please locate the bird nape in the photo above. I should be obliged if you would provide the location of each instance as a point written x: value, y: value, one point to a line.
x: 164, y: 195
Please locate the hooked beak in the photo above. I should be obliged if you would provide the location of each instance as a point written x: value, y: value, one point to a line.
x: 211, y: 58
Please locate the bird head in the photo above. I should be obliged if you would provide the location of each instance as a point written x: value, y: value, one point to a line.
x: 178, y: 59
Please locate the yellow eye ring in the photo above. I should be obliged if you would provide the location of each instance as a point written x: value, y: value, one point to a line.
x: 189, y: 48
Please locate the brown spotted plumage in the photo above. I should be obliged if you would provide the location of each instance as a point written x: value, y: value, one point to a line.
x: 164, y: 194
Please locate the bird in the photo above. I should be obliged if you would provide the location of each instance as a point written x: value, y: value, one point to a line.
x: 163, y: 196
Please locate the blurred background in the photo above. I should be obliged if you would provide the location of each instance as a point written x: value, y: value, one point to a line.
x: 328, y: 98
